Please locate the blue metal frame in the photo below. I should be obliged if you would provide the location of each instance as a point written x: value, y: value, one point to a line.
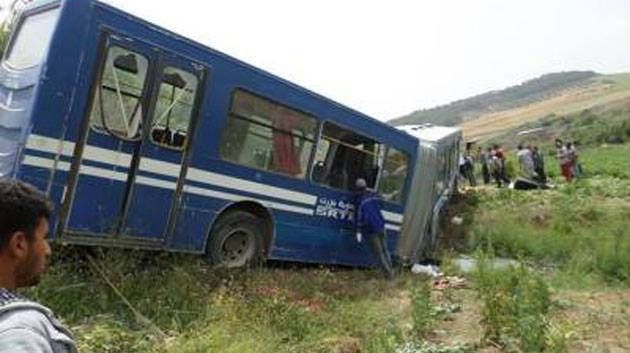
x: 175, y: 197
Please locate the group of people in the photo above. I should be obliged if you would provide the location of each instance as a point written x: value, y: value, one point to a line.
x: 530, y: 159
x: 492, y: 162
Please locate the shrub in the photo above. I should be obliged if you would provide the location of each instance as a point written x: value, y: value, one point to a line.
x: 516, y: 303
x: 422, y: 312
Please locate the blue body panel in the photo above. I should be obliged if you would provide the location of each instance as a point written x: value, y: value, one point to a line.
x: 84, y: 171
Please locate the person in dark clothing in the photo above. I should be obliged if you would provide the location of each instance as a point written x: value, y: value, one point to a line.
x: 539, y: 165
x: 470, y: 170
x: 484, y: 160
x: 501, y: 175
x: 370, y: 224
x: 466, y: 169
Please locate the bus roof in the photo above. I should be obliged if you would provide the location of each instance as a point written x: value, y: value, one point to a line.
x: 428, y: 132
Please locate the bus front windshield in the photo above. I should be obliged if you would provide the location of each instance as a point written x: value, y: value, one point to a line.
x: 31, y: 39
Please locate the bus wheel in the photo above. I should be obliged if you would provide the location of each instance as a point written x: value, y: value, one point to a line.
x: 236, y: 240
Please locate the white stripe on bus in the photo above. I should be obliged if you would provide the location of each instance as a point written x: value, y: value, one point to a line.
x: 211, y: 178
x: 47, y: 144
x: 119, y: 176
x: 122, y: 159
x: 231, y: 197
x: 392, y: 217
x: 392, y: 227
x: 45, y: 163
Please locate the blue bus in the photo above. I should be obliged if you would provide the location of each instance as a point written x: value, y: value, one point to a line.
x: 145, y: 139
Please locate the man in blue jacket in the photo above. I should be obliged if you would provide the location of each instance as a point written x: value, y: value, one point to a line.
x: 26, y: 326
x: 371, y: 225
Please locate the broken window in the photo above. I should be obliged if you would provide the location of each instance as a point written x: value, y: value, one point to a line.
x: 174, y: 108
x: 394, y: 175
x: 118, y: 98
x: 343, y: 156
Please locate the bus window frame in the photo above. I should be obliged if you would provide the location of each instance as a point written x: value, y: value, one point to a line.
x: 318, y: 125
x: 378, y: 177
x: 158, y: 72
x: 18, y: 26
x: 156, y: 62
x: 405, y: 185
x: 103, y: 50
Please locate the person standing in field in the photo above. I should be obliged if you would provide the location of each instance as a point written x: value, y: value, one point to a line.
x: 525, y: 161
x: 26, y: 326
x: 484, y: 158
x: 500, y: 163
x: 564, y: 159
x: 539, y: 165
x: 576, y: 169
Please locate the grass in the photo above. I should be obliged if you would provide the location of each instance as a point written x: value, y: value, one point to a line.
x: 583, y: 239
x: 516, y: 304
x: 570, y: 240
x: 185, y: 306
x: 573, y: 238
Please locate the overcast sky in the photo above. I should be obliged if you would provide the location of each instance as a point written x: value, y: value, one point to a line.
x: 389, y: 58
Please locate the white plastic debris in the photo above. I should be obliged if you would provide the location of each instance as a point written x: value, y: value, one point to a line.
x: 430, y: 270
x: 457, y: 220
x: 467, y: 264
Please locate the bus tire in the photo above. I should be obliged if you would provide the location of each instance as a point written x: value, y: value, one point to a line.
x: 236, y: 241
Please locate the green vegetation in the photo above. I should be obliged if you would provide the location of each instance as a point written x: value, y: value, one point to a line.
x: 569, y: 240
x: 590, y: 127
x: 516, y: 304
x: 184, y: 306
x: 580, y: 228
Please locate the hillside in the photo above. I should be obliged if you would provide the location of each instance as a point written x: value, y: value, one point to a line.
x: 550, y: 96
x: 470, y: 108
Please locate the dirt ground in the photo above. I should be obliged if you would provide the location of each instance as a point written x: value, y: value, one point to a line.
x: 595, y: 322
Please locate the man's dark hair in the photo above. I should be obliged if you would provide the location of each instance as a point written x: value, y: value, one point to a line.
x: 21, y: 208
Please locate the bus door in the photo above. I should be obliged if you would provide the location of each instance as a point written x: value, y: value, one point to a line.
x: 116, y: 162
x: 162, y: 155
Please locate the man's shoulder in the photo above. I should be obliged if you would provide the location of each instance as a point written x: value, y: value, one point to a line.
x: 33, y: 318
x: 27, y: 315
x: 371, y: 199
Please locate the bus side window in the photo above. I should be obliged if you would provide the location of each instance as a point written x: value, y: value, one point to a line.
x: 174, y: 108
x: 394, y: 175
x: 117, y: 102
x: 265, y: 135
x: 343, y: 156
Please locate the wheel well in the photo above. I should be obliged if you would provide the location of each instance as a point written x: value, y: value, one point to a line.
x: 257, y: 210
